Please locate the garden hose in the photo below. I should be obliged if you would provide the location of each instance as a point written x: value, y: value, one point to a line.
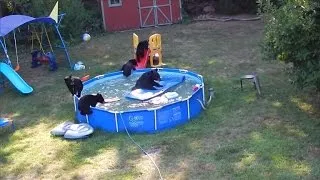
x: 211, y: 95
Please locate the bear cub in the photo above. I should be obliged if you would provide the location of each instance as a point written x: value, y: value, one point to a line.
x: 128, y: 67
x: 74, y: 85
x: 89, y: 100
x: 147, y: 80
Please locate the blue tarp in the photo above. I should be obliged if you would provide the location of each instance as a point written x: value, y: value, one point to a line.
x: 9, y: 23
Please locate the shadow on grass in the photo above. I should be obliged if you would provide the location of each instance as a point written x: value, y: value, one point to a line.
x: 277, y: 146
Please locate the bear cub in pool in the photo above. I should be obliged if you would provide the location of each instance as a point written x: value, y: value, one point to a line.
x: 128, y: 67
x: 74, y: 85
x: 89, y: 100
x: 147, y: 80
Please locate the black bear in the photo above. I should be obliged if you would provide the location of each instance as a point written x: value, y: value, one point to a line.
x: 147, y: 80
x: 89, y: 100
x: 142, y: 48
x: 128, y: 67
x: 74, y: 85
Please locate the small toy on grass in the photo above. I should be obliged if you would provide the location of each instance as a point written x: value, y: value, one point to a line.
x: 86, y: 37
x: 85, y: 78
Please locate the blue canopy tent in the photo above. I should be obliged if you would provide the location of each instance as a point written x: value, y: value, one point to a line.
x: 10, y: 23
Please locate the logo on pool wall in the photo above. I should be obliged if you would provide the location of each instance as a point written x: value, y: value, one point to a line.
x: 170, y: 115
x: 135, y: 121
x: 176, y: 114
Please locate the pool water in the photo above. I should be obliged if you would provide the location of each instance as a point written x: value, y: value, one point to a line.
x: 118, y: 86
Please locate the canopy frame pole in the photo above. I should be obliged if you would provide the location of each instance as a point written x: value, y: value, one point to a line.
x: 64, y: 47
x: 6, y: 53
x: 60, y: 17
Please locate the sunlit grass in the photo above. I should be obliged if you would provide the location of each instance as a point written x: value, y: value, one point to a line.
x: 277, y: 104
x: 212, y: 62
x: 247, y: 160
x: 251, y: 97
x: 296, y: 167
x: 256, y: 136
x: 302, y: 105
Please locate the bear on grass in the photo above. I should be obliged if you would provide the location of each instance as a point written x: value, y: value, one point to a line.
x: 88, y: 101
x: 147, y: 80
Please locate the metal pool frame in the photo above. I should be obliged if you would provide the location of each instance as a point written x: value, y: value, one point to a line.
x: 150, y: 120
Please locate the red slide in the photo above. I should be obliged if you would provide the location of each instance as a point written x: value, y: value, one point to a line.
x: 142, y: 63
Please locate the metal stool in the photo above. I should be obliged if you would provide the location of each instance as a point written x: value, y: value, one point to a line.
x: 254, y: 78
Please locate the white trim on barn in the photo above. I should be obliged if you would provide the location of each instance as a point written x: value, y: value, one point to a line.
x: 103, y: 15
x: 115, y: 4
x: 180, y: 6
x: 155, y: 9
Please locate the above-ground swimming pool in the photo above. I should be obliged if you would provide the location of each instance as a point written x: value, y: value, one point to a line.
x: 148, y: 116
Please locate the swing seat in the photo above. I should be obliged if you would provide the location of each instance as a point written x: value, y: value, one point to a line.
x: 17, y: 68
x: 43, y: 59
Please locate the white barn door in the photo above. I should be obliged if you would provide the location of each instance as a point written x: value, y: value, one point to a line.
x: 155, y: 12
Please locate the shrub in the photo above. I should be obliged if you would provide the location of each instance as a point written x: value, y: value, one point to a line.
x: 292, y: 35
x: 236, y: 6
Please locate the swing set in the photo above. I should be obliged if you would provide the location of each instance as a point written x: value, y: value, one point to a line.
x: 12, y: 22
x: 8, y: 26
x: 35, y: 36
x: 39, y: 38
x: 39, y: 55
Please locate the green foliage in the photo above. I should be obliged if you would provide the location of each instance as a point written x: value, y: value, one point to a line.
x: 79, y: 17
x: 236, y: 6
x: 292, y: 35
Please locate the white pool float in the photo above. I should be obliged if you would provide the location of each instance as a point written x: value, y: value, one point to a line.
x: 77, y: 131
x: 70, y: 130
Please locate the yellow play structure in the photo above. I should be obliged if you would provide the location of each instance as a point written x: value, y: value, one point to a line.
x: 155, y: 48
x: 135, y: 42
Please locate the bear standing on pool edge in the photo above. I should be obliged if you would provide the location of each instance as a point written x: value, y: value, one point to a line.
x: 74, y: 85
x: 89, y: 100
x: 147, y: 80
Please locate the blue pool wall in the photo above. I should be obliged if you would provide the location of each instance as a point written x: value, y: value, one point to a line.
x: 150, y: 120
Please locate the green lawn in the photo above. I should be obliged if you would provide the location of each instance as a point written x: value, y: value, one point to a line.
x: 239, y: 136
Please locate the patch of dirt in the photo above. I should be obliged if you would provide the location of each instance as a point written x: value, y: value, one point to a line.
x: 314, y: 152
x: 223, y: 18
x: 207, y: 167
x: 271, y: 121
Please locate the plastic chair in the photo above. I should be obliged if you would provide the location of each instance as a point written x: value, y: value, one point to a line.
x: 6, y: 122
x: 155, y: 47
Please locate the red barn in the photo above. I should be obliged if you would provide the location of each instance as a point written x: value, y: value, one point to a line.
x: 133, y: 14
